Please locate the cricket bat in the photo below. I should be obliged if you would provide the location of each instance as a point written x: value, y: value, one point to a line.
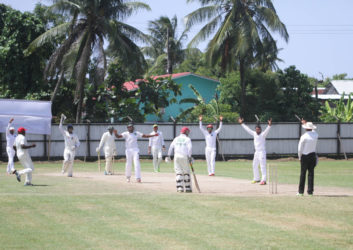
x: 195, y: 180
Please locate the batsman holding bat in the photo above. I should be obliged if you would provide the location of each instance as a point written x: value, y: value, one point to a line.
x: 182, y: 156
x: 108, y: 143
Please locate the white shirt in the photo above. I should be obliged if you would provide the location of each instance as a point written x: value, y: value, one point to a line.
x: 10, y: 139
x: 131, y: 139
x: 21, y: 140
x: 210, y: 138
x: 108, y: 140
x: 181, y: 145
x: 71, y: 140
x: 307, y: 143
x: 156, y: 141
x: 259, y: 140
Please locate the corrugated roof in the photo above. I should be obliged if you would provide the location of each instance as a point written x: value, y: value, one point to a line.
x: 330, y: 97
x: 133, y: 85
x: 343, y: 86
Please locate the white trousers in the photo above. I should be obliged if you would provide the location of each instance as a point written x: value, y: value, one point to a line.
x: 69, y: 157
x: 27, y: 164
x: 132, y: 157
x: 182, y: 171
x: 157, y: 157
x: 210, y: 154
x: 259, y: 159
x: 10, y: 154
x: 108, y: 162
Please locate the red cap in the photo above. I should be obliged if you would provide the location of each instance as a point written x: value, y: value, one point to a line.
x: 184, y: 129
x: 21, y: 130
x: 209, y: 126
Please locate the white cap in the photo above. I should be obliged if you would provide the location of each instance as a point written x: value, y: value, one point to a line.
x: 308, y: 125
x: 11, y: 128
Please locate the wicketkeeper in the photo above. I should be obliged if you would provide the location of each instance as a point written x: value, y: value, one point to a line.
x: 182, y: 156
x: 108, y: 141
x: 71, y: 144
x: 10, y: 140
x: 21, y: 148
x: 260, y: 150
x: 155, y: 146
x: 210, y: 150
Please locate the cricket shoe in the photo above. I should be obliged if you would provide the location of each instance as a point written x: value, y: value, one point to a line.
x: 188, y: 191
x: 28, y: 184
x: 311, y: 195
x: 263, y: 183
x: 18, y: 177
x: 211, y: 175
x: 254, y: 182
x: 180, y: 190
x: 69, y: 175
x: 299, y: 194
x: 138, y: 180
x: 105, y: 173
x: 128, y: 179
x: 14, y: 171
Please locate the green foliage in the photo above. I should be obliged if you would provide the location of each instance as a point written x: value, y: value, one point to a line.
x: 208, y: 110
x: 155, y: 94
x: 338, y: 110
x: 20, y: 75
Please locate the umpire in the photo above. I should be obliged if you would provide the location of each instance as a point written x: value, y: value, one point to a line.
x: 307, y: 156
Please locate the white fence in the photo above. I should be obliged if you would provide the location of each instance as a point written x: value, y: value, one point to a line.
x: 233, y: 140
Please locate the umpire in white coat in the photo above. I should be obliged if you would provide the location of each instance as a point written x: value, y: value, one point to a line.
x: 260, y: 150
x: 210, y: 150
x: 10, y: 140
x: 108, y: 142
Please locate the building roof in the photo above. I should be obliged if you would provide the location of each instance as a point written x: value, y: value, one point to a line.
x: 343, y: 86
x: 330, y: 97
x: 320, y: 91
x: 131, y: 85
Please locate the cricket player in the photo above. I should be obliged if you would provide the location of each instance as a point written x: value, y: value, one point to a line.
x: 155, y: 146
x: 260, y: 150
x: 132, y: 150
x: 108, y: 141
x: 210, y: 150
x: 10, y: 140
x: 71, y: 144
x: 182, y: 156
x: 21, y: 148
x: 307, y: 157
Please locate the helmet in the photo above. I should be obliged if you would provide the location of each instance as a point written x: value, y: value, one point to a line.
x: 184, y: 129
x: 209, y: 126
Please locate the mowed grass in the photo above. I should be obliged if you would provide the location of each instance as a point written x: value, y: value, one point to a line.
x: 69, y: 213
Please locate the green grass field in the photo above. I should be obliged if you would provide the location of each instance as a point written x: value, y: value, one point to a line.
x: 69, y: 213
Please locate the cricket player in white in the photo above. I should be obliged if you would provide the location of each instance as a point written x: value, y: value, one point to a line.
x: 21, y: 148
x: 260, y: 150
x: 10, y: 140
x: 182, y: 156
x: 71, y: 144
x: 108, y: 141
x: 132, y: 150
x: 210, y: 150
x: 155, y: 146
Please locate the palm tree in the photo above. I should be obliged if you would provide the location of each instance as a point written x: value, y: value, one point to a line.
x: 165, y: 47
x: 90, y: 24
x: 240, y: 28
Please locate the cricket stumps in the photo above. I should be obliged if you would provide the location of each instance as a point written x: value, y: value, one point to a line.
x: 272, y: 178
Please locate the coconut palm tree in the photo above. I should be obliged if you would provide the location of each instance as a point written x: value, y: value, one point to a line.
x: 165, y: 48
x: 90, y: 23
x: 240, y: 29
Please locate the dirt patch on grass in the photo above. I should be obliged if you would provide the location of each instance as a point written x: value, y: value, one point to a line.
x: 209, y: 185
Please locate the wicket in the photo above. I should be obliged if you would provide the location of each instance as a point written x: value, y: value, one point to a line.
x: 272, y: 178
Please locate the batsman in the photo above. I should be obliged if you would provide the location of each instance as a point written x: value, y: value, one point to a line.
x: 182, y: 156
x: 108, y: 141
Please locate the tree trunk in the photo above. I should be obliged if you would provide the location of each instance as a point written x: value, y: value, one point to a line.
x: 243, y: 87
x: 82, y: 67
x: 169, y: 60
x: 57, y: 86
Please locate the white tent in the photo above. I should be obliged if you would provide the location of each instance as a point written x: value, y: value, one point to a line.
x: 35, y: 116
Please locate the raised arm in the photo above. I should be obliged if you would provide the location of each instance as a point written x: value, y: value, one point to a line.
x: 117, y: 135
x: 247, y: 129
x: 220, y: 125
x: 8, y: 127
x: 62, y: 131
x: 203, y: 130
x: 267, y: 130
x: 149, y: 136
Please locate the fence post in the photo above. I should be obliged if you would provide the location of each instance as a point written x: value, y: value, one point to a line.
x: 89, y: 139
x: 338, y: 139
x: 45, y: 145
x: 1, y: 146
x: 174, y: 129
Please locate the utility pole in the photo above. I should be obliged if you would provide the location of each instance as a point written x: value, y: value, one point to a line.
x: 169, y: 64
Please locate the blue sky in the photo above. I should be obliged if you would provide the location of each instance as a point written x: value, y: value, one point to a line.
x: 321, y: 31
